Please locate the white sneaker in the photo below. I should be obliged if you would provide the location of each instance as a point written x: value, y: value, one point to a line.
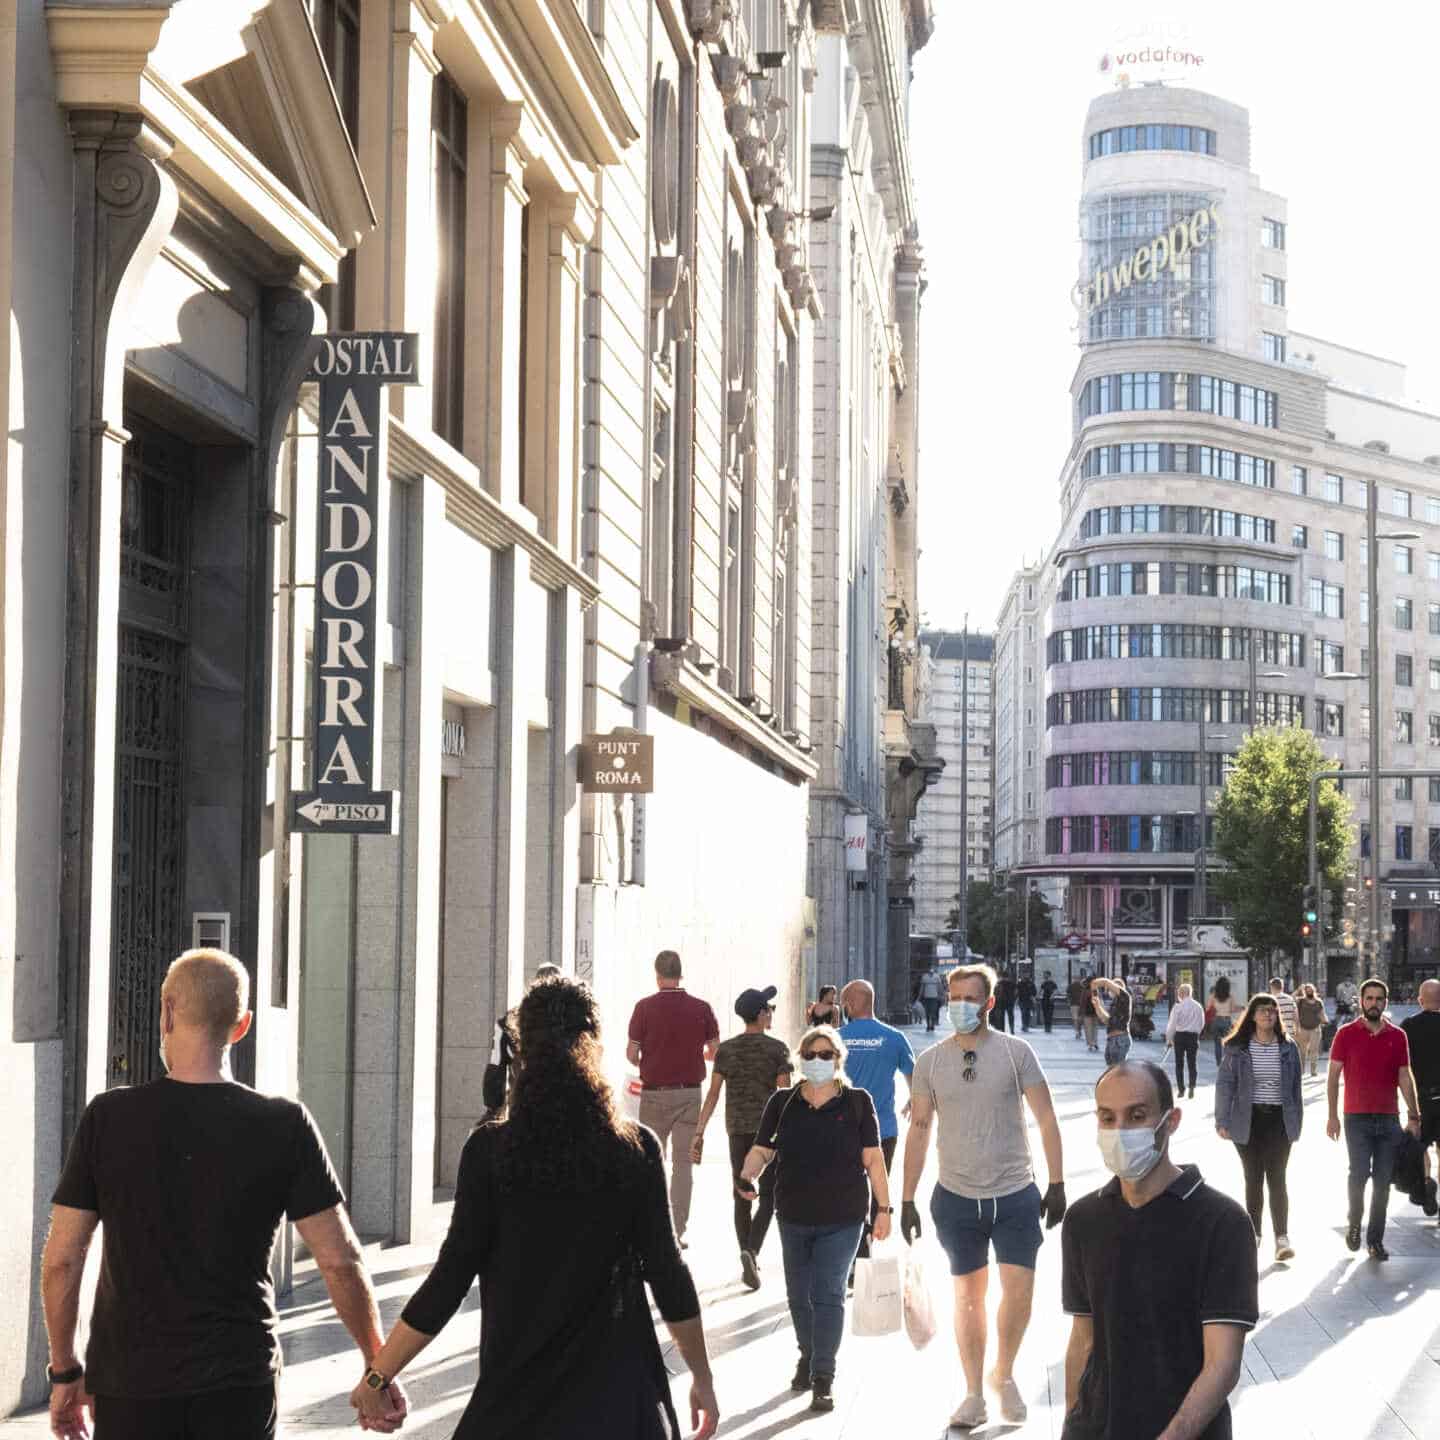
x: 1012, y: 1403
x: 1283, y: 1249
x: 970, y: 1413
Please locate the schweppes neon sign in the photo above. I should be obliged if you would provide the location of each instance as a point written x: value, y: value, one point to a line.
x: 1149, y: 261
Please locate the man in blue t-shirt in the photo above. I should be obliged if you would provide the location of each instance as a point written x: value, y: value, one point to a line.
x: 876, y: 1052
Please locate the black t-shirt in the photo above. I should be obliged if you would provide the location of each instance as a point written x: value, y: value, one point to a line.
x: 190, y: 1183
x: 1151, y: 1279
x: 1118, y: 1004
x: 1423, y: 1032
x: 821, y: 1179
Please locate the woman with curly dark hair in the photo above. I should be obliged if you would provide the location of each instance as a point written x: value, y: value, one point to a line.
x: 567, y: 1346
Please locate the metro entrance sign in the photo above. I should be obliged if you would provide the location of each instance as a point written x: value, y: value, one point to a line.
x: 1073, y: 942
x: 353, y: 370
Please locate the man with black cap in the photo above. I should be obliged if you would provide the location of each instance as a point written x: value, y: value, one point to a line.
x: 755, y: 1064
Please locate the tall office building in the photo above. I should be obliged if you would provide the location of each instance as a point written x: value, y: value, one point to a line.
x: 943, y: 656
x: 1210, y: 571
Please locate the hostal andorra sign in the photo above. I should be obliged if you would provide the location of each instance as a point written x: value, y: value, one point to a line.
x: 353, y: 371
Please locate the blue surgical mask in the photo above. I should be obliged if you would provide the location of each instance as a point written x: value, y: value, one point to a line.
x: 965, y: 1016
x: 818, y: 1072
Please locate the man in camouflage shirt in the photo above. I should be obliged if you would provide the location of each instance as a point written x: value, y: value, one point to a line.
x: 754, y: 1064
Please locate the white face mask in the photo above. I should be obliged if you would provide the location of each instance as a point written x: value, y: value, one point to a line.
x: 964, y: 1016
x: 1132, y: 1154
x: 818, y: 1072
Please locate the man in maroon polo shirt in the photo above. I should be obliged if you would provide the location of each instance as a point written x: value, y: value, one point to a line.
x: 672, y: 1035
x: 1374, y: 1057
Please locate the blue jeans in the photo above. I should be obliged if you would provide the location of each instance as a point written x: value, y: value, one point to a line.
x: 817, y: 1261
x: 1117, y: 1047
x: 1372, y: 1141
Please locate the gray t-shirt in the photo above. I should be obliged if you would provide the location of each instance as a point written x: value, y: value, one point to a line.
x: 984, y: 1148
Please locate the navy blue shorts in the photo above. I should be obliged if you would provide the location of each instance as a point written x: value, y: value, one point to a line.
x: 968, y: 1228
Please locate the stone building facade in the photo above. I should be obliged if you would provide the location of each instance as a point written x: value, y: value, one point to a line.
x: 875, y: 757
x: 1210, y: 572
x: 593, y: 511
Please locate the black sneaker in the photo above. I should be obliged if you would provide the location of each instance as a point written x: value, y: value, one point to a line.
x: 821, y: 1398
x: 749, y: 1270
x: 1431, y: 1202
x: 1352, y: 1238
x: 801, y: 1379
x: 1379, y: 1252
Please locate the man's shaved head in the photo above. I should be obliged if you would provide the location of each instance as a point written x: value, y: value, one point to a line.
x: 210, y: 991
x: 1430, y: 994
x: 859, y: 997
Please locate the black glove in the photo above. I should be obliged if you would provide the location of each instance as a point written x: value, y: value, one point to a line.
x: 909, y: 1221
x: 1052, y: 1207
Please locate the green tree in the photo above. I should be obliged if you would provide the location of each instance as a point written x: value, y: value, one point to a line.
x: 986, y: 904
x: 1261, y: 828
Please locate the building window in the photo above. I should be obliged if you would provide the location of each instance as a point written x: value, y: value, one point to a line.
x: 337, y: 27
x: 1329, y: 657
x: 1432, y: 613
x: 1125, y: 138
x: 1334, y: 545
x: 1435, y: 676
x: 1272, y: 290
x: 1364, y: 722
x: 1404, y: 560
x: 1356, y: 493
x: 1405, y: 788
x: 1404, y: 670
x: 448, y: 120
x: 1434, y: 843
x: 1404, y: 614
x: 1400, y: 503
x: 1327, y: 599
x: 786, y: 526
x: 1434, y: 733
x: 1364, y: 664
x: 1299, y: 480
x: 1274, y: 347
x: 1404, y: 727
x: 1329, y: 718
x: 1432, y: 510
x: 1364, y: 606
x: 1334, y: 487
x: 1402, y: 842
x: 1364, y: 840
x: 1272, y: 234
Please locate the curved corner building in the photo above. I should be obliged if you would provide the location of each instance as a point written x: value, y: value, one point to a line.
x: 1210, y: 566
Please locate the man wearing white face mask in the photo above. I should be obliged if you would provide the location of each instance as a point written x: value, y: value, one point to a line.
x: 1156, y: 1341
x: 977, y: 1085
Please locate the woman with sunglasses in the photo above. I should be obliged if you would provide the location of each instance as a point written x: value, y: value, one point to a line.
x: 1258, y: 1106
x: 823, y: 1136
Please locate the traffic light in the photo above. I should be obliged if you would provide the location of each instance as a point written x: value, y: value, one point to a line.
x: 1310, y: 909
x: 1327, y: 910
x: 1306, y: 930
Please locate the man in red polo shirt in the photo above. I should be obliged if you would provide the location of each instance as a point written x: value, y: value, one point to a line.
x: 672, y: 1035
x: 1374, y: 1057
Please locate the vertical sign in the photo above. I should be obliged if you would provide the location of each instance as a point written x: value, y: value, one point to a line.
x: 353, y: 371
x: 857, y: 836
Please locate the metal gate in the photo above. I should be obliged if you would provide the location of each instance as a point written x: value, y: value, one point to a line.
x: 148, y: 918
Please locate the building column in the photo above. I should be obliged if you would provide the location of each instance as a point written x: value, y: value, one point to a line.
x: 394, y: 287
x: 125, y: 207
x: 558, y: 492
x: 566, y: 732
x: 492, y: 400
x: 514, y: 698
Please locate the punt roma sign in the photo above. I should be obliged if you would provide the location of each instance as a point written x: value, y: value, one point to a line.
x: 353, y: 370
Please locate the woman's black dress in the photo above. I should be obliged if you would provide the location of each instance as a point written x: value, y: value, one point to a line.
x: 567, y: 1345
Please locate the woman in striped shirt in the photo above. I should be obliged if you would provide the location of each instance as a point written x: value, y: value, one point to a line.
x: 1258, y: 1106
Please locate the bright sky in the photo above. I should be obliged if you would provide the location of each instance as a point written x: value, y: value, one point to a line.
x: 1342, y: 113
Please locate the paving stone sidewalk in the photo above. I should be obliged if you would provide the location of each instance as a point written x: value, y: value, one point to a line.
x: 1345, y: 1350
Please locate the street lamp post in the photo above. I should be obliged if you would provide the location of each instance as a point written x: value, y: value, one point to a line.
x: 1372, y: 574
x: 1202, y: 886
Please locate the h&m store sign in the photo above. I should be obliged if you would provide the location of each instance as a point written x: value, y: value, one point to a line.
x: 353, y: 371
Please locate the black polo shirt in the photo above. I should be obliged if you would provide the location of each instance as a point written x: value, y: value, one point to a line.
x: 1150, y: 1280
x: 821, y: 1176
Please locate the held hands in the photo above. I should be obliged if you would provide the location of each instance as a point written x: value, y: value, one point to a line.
x: 909, y: 1221
x: 697, y: 1147
x: 1052, y: 1205
x: 68, y: 1404
x: 383, y: 1410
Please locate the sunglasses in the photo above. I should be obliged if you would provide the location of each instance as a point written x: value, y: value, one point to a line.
x: 817, y: 1054
x: 969, y: 1057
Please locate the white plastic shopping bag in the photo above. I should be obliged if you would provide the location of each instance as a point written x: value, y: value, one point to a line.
x: 630, y: 1098
x: 877, y: 1296
x: 919, y: 1307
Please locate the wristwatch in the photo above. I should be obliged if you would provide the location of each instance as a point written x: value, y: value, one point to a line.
x: 65, y: 1377
x: 375, y: 1380
x: 884, y: 1209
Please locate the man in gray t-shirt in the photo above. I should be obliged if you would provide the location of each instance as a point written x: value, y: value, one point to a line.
x: 974, y: 1088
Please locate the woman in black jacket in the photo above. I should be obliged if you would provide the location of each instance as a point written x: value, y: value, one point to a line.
x: 565, y: 1331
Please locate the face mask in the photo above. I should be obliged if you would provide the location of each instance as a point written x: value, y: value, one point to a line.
x: 818, y: 1072
x: 964, y: 1016
x: 1131, y: 1154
